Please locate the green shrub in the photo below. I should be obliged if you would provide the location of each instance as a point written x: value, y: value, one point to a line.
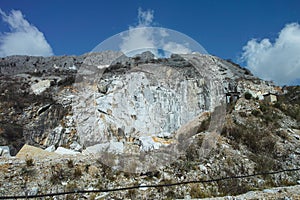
x: 71, y: 197
x: 171, y: 195
x: 248, y: 95
x: 263, y: 107
x: 29, y: 162
x: 70, y: 163
x: 277, y: 105
x: 256, y: 140
x: 256, y: 113
x: 204, y: 125
x: 264, y: 163
x: 57, y: 174
x: 233, y: 187
x: 243, y: 114
x: 71, y: 187
x: 131, y: 194
x: 197, y: 192
x: 92, y: 196
x: 77, y: 172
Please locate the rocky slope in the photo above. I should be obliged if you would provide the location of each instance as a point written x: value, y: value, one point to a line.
x: 141, y: 120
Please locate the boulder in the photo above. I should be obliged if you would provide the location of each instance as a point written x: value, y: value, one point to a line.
x: 50, y: 148
x: 191, y: 128
x: 147, y: 143
x: 4, y: 151
x: 109, y: 147
x: 33, y: 191
x: 28, y: 151
x: 76, y: 146
x: 64, y: 151
x: 40, y: 86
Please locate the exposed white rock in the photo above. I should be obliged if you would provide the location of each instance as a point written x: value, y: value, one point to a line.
x: 102, y: 66
x: 270, y: 190
x: 73, y: 67
x: 165, y: 135
x: 102, y: 195
x: 55, y: 137
x: 111, y: 147
x: 148, y: 89
x: 257, y: 88
x: 144, y: 106
x: 64, y: 183
x: 50, y: 148
x: 41, y: 86
x: 34, y: 152
x: 4, y: 151
x: 259, y: 95
x: 42, y: 109
x: 143, y: 188
x: 296, y: 136
x: 33, y: 191
x: 147, y: 143
x: 76, y: 146
x: 64, y: 151
x: 151, y: 100
x: 55, y: 66
x: 203, y: 168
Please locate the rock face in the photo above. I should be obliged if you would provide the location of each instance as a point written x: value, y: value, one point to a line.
x: 102, y: 97
x: 145, y: 101
x: 4, y: 151
x: 158, y: 118
x: 31, y: 152
x: 138, y: 100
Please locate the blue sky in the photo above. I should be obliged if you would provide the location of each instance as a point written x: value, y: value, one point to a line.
x: 223, y: 28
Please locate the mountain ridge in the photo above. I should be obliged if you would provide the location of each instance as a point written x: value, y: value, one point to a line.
x: 41, y: 100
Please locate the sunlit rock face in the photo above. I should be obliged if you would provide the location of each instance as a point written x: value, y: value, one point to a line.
x: 106, y: 98
x: 137, y: 113
x: 145, y: 100
x: 131, y: 113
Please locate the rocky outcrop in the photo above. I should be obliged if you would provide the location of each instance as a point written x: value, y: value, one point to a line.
x: 101, y: 97
x: 4, y: 151
x: 30, y: 152
x: 158, y: 118
x: 148, y: 100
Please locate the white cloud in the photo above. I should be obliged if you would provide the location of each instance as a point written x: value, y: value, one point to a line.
x: 145, y: 17
x: 143, y: 37
x: 139, y: 37
x: 176, y: 48
x: 278, y: 61
x: 23, y: 38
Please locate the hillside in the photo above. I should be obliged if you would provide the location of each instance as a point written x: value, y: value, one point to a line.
x: 110, y: 121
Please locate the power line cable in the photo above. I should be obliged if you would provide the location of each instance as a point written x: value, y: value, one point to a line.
x: 149, y: 186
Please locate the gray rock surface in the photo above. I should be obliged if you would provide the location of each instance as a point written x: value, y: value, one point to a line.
x: 123, y: 98
x: 64, y: 151
x: 148, y: 100
x: 136, y: 113
x: 4, y: 151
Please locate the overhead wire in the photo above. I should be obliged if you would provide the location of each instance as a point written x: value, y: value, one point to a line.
x: 148, y: 186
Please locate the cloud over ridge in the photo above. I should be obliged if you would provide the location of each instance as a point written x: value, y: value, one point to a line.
x: 139, y: 36
x: 23, y: 37
x: 143, y: 37
x: 278, y: 61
